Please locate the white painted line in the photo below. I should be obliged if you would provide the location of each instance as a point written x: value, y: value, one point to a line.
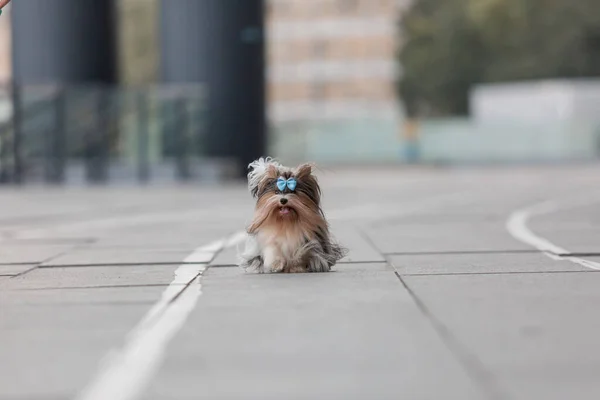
x: 125, y: 373
x: 583, y: 262
x: 184, y: 274
x: 517, y: 227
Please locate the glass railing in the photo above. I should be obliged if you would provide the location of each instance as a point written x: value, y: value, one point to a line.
x: 98, y: 134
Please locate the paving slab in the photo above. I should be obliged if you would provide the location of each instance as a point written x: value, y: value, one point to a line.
x: 575, y: 239
x: 360, y: 249
x: 535, y: 333
x: 585, y: 214
x: 444, y: 238
x: 480, y: 263
x: 352, y: 334
x: 72, y: 296
x: 122, y: 256
x: 32, y: 254
x: 12, y: 270
x: 229, y: 257
x: 167, y: 237
x: 574, y: 229
x: 459, y: 216
x: 51, y: 351
x: 94, y: 276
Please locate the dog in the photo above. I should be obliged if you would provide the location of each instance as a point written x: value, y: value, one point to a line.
x: 288, y: 232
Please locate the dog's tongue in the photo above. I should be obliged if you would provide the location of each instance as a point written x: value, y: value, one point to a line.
x: 284, y: 210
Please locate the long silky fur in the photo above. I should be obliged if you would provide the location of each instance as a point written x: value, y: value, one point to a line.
x: 258, y: 171
x: 317, y: 251
x: 313, y: 255
x: 251, y: 259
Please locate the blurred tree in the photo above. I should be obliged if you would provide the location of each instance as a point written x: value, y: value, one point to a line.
x: 441, y: 57
x: 528, y: 39
x: 451, y: 45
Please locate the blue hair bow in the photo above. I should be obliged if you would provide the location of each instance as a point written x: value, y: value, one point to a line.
x: 290, y: 183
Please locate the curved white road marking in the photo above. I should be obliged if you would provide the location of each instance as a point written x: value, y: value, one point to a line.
x: 517, y: 227
x: 124, y: 373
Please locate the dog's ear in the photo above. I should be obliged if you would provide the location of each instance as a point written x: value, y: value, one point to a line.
x: 304, y: 170
x: 259, y: 170
x: 271, y: 172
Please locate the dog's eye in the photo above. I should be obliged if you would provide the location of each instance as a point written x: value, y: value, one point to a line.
x: 278, y: 192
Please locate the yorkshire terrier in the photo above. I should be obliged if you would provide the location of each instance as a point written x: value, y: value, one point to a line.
x: 289, y: 232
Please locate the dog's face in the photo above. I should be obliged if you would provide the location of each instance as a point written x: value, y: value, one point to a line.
x: 284, y: 195
x: 289, y: 193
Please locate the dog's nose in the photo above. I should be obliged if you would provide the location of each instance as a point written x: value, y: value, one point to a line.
x: 283, y: 200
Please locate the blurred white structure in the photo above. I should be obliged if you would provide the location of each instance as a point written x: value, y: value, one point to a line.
x: 533, y: 121
x: 524, y: 122
x: 538, y: 101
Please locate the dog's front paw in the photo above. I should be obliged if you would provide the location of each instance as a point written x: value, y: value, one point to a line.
x: 296, y: 269
x: 277, y: 266
x: 255, y: 264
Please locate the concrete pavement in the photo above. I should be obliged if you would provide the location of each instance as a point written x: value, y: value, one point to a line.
x: 447, y: 293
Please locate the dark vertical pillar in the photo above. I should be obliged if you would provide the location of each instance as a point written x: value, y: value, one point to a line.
x: 63, y: 41
x: 220, y: 43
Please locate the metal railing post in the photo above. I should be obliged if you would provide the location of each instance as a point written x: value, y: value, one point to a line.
x: 17, y: 173
x: 143, y: 147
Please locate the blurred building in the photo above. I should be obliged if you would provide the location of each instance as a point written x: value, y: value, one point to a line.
x: 5, y: 64
x: 331, y: 69
x: 325, y: 57
x: 332, y: 58
x: 138, y: 40
x: 5, y: 58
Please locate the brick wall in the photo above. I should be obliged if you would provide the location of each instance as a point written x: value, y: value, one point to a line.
x: 331, y: 55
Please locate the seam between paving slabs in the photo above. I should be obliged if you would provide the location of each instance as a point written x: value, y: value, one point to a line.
x: 184, y: 286
x: 37, y: 265
x: 95, y: 287
x: 459, y: 252
x: 417, y: 274
x: 576, y: 254
x: 121, y: 264
x: 25, y: 263
x: 28, y: 270
x: 472, y: 365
